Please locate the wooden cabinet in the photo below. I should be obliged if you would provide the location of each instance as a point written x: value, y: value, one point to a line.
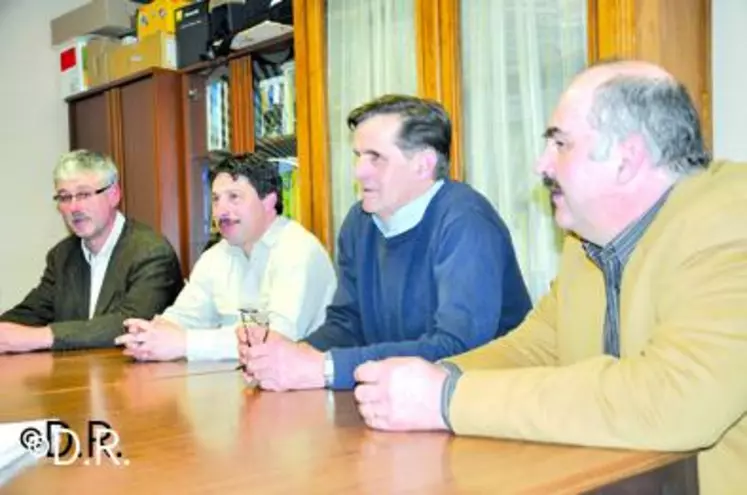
x: 88, y: 123
x: 137, y: 121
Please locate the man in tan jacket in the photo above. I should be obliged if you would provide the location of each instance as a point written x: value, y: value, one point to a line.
x: 641, y: 343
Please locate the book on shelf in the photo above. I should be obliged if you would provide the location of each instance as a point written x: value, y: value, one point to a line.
x: 277, y: 103
x: 288, y: 170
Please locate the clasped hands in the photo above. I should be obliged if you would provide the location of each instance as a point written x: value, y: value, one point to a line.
x: 153, y: 340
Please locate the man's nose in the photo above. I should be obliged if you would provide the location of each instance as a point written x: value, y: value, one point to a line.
x: 74, y: 206
x: 362, y: 169
x: 544, y: 164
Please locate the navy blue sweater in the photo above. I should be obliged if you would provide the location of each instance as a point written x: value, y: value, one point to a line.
x: 448, y: 285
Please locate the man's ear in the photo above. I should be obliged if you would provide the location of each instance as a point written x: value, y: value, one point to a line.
x: 269, y: 201
x: 115, y: 194
x: 427, y: 163
x: 634, y: 156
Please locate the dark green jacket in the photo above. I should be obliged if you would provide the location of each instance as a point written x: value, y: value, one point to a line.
x: 142, y: 279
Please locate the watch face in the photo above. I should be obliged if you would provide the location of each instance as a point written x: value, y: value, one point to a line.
x: 329, y: 369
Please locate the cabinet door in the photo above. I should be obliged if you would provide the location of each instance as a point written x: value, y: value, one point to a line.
x: 139, y: 181
x: 89, y: 124
x: 151, y: 153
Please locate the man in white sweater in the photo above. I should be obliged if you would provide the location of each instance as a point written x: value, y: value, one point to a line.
x: 265, y: 263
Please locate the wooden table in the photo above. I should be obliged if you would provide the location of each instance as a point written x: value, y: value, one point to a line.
x: 195, y: 428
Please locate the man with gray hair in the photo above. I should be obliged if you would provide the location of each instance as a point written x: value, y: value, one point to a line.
x: 641, y: 341
x: 110, y: 268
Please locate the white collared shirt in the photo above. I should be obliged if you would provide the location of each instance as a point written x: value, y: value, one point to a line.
x: 100, y: 261
x: 409, y: 215
x: 288, y: 275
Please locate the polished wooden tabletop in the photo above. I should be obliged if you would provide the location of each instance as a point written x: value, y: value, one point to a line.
x: 196, y: 428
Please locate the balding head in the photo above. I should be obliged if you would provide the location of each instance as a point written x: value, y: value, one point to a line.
x: 623, y: 133
x: 640, y: 98
x: 630, y: 68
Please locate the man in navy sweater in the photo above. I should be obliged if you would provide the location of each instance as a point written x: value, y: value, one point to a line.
x: 426, y: 266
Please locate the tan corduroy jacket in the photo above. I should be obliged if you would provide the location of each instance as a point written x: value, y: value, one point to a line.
x: 681, y: 381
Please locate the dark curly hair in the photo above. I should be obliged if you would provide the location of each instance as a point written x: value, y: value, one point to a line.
x: 261, y: 172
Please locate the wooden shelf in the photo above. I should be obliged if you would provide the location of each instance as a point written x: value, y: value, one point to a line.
x: 135, y: 76
x: 208, y: 65
x: 280, y: 146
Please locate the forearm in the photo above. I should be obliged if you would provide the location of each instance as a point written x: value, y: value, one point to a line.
x: 99, y: 332
x: 522, y: 348
x: 431, y: 348
x: 599, y: 402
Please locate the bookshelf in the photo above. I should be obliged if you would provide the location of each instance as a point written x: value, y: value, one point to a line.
x: 245, y: 102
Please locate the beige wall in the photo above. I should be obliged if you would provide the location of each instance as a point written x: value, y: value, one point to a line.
x: 33, y: 131
x: 729, y: 79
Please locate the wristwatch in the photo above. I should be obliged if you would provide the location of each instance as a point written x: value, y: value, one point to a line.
x: 329, y: 369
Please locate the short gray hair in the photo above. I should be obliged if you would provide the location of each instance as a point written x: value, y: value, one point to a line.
x: 76, y: 162
x: 660, y: 110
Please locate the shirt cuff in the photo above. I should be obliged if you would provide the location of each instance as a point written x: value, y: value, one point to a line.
x: 447, y: 390
x: 212, y: 344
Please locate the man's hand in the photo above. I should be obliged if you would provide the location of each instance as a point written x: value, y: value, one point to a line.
x: 22, y: 338
x: 247, y: 336
x: 280, y: 364
x: 156, y: 340
x: 400, y: 394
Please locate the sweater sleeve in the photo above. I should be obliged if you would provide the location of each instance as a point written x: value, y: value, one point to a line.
x: 470, y: 262
x: 37, y: 308
x: 533, y: 343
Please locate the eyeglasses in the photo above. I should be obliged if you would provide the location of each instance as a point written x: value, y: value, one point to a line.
x: 67, y: 198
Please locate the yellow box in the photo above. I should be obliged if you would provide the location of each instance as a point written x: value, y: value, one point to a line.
x: 156, y: 50
x: 158, y: 16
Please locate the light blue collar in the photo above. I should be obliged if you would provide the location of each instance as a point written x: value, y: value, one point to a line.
x: 409, y: 215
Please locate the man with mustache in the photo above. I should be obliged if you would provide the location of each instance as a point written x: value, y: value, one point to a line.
x: 641, y: 341
x: 427, y: 266
x: 265, y: 263
x: 110, y: 268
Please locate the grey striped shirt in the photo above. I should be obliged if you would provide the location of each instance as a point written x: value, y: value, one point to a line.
x: 611, y: 259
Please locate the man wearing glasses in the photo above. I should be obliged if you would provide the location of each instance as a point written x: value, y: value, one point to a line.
x: 110, y: 268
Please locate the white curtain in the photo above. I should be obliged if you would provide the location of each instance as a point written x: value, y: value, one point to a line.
x: 370, y: 52
x: 517, y: 57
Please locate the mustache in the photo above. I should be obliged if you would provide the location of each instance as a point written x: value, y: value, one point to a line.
x: 551, y: 184
x: 78, y: 216
x: 226, y: 221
